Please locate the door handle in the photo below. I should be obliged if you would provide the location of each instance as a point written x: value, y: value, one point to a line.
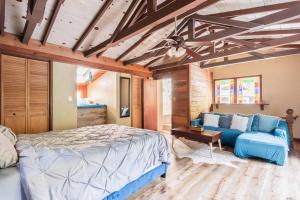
x: 14, y: 114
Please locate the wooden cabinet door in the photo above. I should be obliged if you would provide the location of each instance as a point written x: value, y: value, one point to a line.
x: 16, y: 120
x: 38, y: 96
x: 13, y: 93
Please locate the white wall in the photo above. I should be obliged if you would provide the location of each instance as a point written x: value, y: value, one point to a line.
x: 64, y: 96
x: 280, y: 86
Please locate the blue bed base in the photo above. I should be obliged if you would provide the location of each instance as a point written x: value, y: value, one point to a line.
x: 137, y: 184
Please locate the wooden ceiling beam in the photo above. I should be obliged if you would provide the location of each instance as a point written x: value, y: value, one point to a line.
x: 10, y: 44
x: 255, y: 10
x: 256, y: 54
x: 151, y: 62
x: 241, y: 50
x: 224, y: 22
x: 159, y: 6
x: 93, y: 23
x: 274, y: 32
x: 151, y: 6
x: 290, y: 46
x: 137, y: 13
x: 168, y: 12
x: 52, y: 20
x: 2, y: 16
x: 149, y: 33
x: 246, y: 43
x: 191, y: 29
x: 253, y: 58
x: 275, y: 18
x: 236, y: 51
x: 122, y: 22
x: 35, y: 13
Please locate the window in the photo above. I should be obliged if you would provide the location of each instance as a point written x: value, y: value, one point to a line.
x: 248, y: 90
x: 224, y: 90
x: 243, y: 90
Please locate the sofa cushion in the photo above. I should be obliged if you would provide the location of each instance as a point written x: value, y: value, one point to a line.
x: 262, y: 145
x: 211, y: 120
x: 225, y: 121
x: 229, y: 136
x: 267, y: 123
x: 210, y: 128
x: 240, y: 123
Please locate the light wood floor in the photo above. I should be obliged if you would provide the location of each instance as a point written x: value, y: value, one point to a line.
x: 253, y: 180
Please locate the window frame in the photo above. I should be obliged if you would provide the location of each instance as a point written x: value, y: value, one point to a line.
x: 235, y: 89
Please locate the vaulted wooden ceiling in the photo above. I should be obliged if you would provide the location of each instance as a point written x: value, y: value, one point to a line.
x: 121, y: 34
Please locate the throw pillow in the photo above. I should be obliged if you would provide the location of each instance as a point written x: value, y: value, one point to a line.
x: 9, y: 134
x: 240, y: 123
x: 250, y: 121
x: 211, y: 120
x: 267, y: 123
x: 225, y: 121
x: 255, y: 123
x: 8, y: 153
x: 279, y: 133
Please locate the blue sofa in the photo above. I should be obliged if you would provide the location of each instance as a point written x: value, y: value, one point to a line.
x: 260, y: 140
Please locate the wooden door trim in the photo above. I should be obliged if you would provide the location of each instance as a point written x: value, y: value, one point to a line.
x: 50, y: 95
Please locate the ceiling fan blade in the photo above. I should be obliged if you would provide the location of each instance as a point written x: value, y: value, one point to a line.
x: 198, y: 43
x: 158, y: 48
x: 170, y: 41
x: 192, y: 53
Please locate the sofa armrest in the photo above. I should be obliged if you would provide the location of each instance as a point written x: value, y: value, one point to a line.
x: 283, y: 126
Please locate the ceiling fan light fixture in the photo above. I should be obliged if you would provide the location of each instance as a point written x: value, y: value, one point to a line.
x: 174, y: 52
x: 180, y: 52
x: 171, y: 52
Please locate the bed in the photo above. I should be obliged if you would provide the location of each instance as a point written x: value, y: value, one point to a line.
x: 96, y: 162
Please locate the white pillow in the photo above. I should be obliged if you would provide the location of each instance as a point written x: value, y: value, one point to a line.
x: 8, y: 153
x: 211, y: 120
x: 9, y: 134
x: 240, y: 123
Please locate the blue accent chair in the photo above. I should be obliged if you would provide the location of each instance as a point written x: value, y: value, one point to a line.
x: 271, y: 146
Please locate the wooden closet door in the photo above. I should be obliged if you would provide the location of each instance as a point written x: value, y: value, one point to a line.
x: 136, y: 98
x: 13, y: 97
x: 150, y: 104
x: 38, y: 96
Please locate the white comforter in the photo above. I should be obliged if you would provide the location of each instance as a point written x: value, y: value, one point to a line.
x: 87, y: 163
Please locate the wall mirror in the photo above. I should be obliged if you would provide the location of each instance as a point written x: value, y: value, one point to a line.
x: 124, y: 97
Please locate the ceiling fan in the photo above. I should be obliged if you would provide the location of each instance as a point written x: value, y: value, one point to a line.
x: 177, y: 46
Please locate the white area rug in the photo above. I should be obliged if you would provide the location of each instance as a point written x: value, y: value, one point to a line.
x: 200, y: 153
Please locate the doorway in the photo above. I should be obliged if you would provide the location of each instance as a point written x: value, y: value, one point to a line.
x: 166, y: 105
